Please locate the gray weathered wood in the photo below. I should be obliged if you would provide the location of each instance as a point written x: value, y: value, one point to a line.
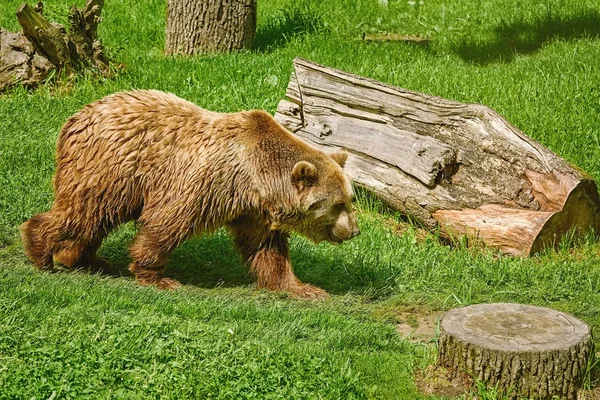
x: 525, y: 351
x: 28, y: 58
x: 19, y: 63
x: 459, y: 166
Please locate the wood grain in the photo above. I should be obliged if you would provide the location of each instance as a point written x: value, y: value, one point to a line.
x: 524, y: 351
x: 459, y: 166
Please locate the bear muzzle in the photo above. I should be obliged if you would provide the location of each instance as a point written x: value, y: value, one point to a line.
x: 341, y: 233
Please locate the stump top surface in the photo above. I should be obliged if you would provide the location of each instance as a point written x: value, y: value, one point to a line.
x: 514, y: 327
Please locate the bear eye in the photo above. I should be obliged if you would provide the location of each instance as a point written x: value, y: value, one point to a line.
x: 316, y: 204
x: 340, y: 206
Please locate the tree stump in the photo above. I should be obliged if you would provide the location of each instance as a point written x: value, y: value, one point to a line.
x: 28, y: 58
x: 209, y: 26
x: 458, y: 166
x: 527, y: 351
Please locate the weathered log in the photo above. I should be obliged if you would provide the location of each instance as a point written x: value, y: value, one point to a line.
x: 29, y: 57
x: 19, y: 62
x: 83, y: 28
x: 525, y: 351
x: 459, y: 166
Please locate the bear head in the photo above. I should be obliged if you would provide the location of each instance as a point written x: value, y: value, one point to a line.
x: 325, y: 198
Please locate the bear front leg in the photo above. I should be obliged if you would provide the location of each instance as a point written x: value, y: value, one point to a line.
x: 79, y: 254
x: 268, y: 256
x: 149, y: 253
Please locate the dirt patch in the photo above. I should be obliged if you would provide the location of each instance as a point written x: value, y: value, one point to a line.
x: 593, y: 394
x: 439, y: 381
x: 418, y: 325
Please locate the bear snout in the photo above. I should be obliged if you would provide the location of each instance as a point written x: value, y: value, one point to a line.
x: 345, y: 232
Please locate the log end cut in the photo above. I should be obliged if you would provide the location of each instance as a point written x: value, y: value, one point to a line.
x: 579, y: 214
x: 528, y: 351
x: 523, y: 232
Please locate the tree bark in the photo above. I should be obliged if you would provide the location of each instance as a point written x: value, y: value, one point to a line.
x: 29, y: 57
x: 210, y: 26
x: 525, y: 351
x: 458, y: 166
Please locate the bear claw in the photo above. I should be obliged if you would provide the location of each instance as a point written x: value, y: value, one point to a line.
x: 307, y: 291
x: 168, y: 284
x: 160, y: 283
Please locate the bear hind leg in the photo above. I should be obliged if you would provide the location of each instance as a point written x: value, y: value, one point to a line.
x: 38, y: 235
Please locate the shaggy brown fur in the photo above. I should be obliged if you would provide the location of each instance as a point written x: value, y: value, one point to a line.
x: 180, y: 171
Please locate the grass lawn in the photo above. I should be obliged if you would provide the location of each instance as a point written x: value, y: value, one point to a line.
x: 72, y: 335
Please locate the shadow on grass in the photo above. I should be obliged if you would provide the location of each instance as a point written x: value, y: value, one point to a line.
x: 212, y: 261
x: 291, y: 22
x: 340, y: 274
x: 208, y: 261
x: 519, y: 37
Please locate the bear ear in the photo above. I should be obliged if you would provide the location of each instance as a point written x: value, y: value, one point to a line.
x: 304, y: 174
x: 340, y: 157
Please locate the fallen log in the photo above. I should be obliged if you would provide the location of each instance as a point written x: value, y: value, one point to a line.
x: 523, y: 351
x: 461, y: 167
x: 29, y: 57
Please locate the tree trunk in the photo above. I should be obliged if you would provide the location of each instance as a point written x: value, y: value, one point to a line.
x: 459, y: 166
x: 525, y: 351
x: 207, y: 26
x: 28, y: 58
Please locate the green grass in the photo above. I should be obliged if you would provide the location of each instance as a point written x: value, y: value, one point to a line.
x: 72, y: 335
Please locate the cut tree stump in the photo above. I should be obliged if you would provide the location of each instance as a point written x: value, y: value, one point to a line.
x: 28, y: 58
x: 525, y: 351
x: 458, y: 166
x: 196, y: 27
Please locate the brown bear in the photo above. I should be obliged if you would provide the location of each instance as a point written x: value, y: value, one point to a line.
x: 180, y: 170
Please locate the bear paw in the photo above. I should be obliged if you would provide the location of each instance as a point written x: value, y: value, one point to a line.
x: 168, y: 284
x: 306, y: 291
x: 158, y: 282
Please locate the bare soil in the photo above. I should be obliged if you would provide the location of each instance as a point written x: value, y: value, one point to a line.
x: 436, y: 381
x: 418, y: 325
